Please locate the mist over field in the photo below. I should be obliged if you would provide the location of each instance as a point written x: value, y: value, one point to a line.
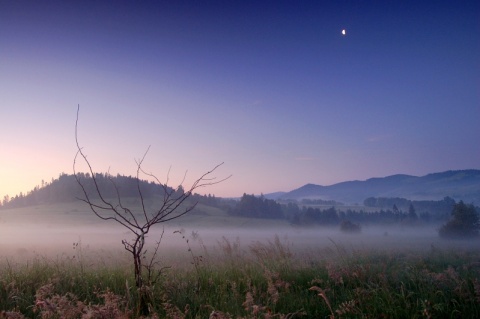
x: 151, y: 249
x: 21, y: 237
x: 60, y: 257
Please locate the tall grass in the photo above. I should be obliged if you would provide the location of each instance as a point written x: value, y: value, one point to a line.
x: 264, y: 280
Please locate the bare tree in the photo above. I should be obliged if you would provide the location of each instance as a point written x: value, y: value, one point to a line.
x: 173, y: 204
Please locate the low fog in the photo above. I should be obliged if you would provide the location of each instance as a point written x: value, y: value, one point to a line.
x: 23, y: 239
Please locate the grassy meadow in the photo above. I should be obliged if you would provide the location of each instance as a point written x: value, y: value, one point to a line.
x: 212, y: 268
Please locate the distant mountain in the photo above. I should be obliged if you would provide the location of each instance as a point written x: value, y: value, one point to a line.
x: 274, y: 196
x: 459, y: 185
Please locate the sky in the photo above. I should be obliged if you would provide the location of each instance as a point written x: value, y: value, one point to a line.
x: 272, y: 89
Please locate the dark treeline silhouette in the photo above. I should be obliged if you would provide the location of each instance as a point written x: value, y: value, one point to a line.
x: 433, y: 212
x: 65, y: 189
x: 441, y: 208
x: 332, y: 216
x: 257, y: 207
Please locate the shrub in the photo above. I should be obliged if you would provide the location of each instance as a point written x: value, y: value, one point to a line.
x: 349, y: 227
x: 464, y: 222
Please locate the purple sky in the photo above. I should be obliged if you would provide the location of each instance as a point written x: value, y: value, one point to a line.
x: 272, y: 89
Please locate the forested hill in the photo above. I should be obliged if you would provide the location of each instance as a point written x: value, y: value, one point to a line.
x: 459, y: 185
x: 66, y: 189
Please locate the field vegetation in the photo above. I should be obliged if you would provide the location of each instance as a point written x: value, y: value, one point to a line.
x: 57, y: 262
x: 269, y: 278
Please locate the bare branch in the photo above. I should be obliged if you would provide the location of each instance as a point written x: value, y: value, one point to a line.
x: 139, y: 169
x: 175, y: 204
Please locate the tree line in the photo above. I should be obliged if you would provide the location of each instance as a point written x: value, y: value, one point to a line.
x: 437, y: 208
x: 455, y: 217
x: 461, y: 221
x: 298, y: 213
x: 252, y: 206
x: 65, y: 189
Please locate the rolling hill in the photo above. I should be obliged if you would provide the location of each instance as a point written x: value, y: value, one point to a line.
x: 459, y: 185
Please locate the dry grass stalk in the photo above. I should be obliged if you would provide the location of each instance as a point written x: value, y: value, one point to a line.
x: 323, y: 295
x: 272, y: 250
x: 347, y: 307
x: 51, y: 305
x: 219, y: 315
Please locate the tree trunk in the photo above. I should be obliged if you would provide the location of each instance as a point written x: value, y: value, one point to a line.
x: 142, y: 291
